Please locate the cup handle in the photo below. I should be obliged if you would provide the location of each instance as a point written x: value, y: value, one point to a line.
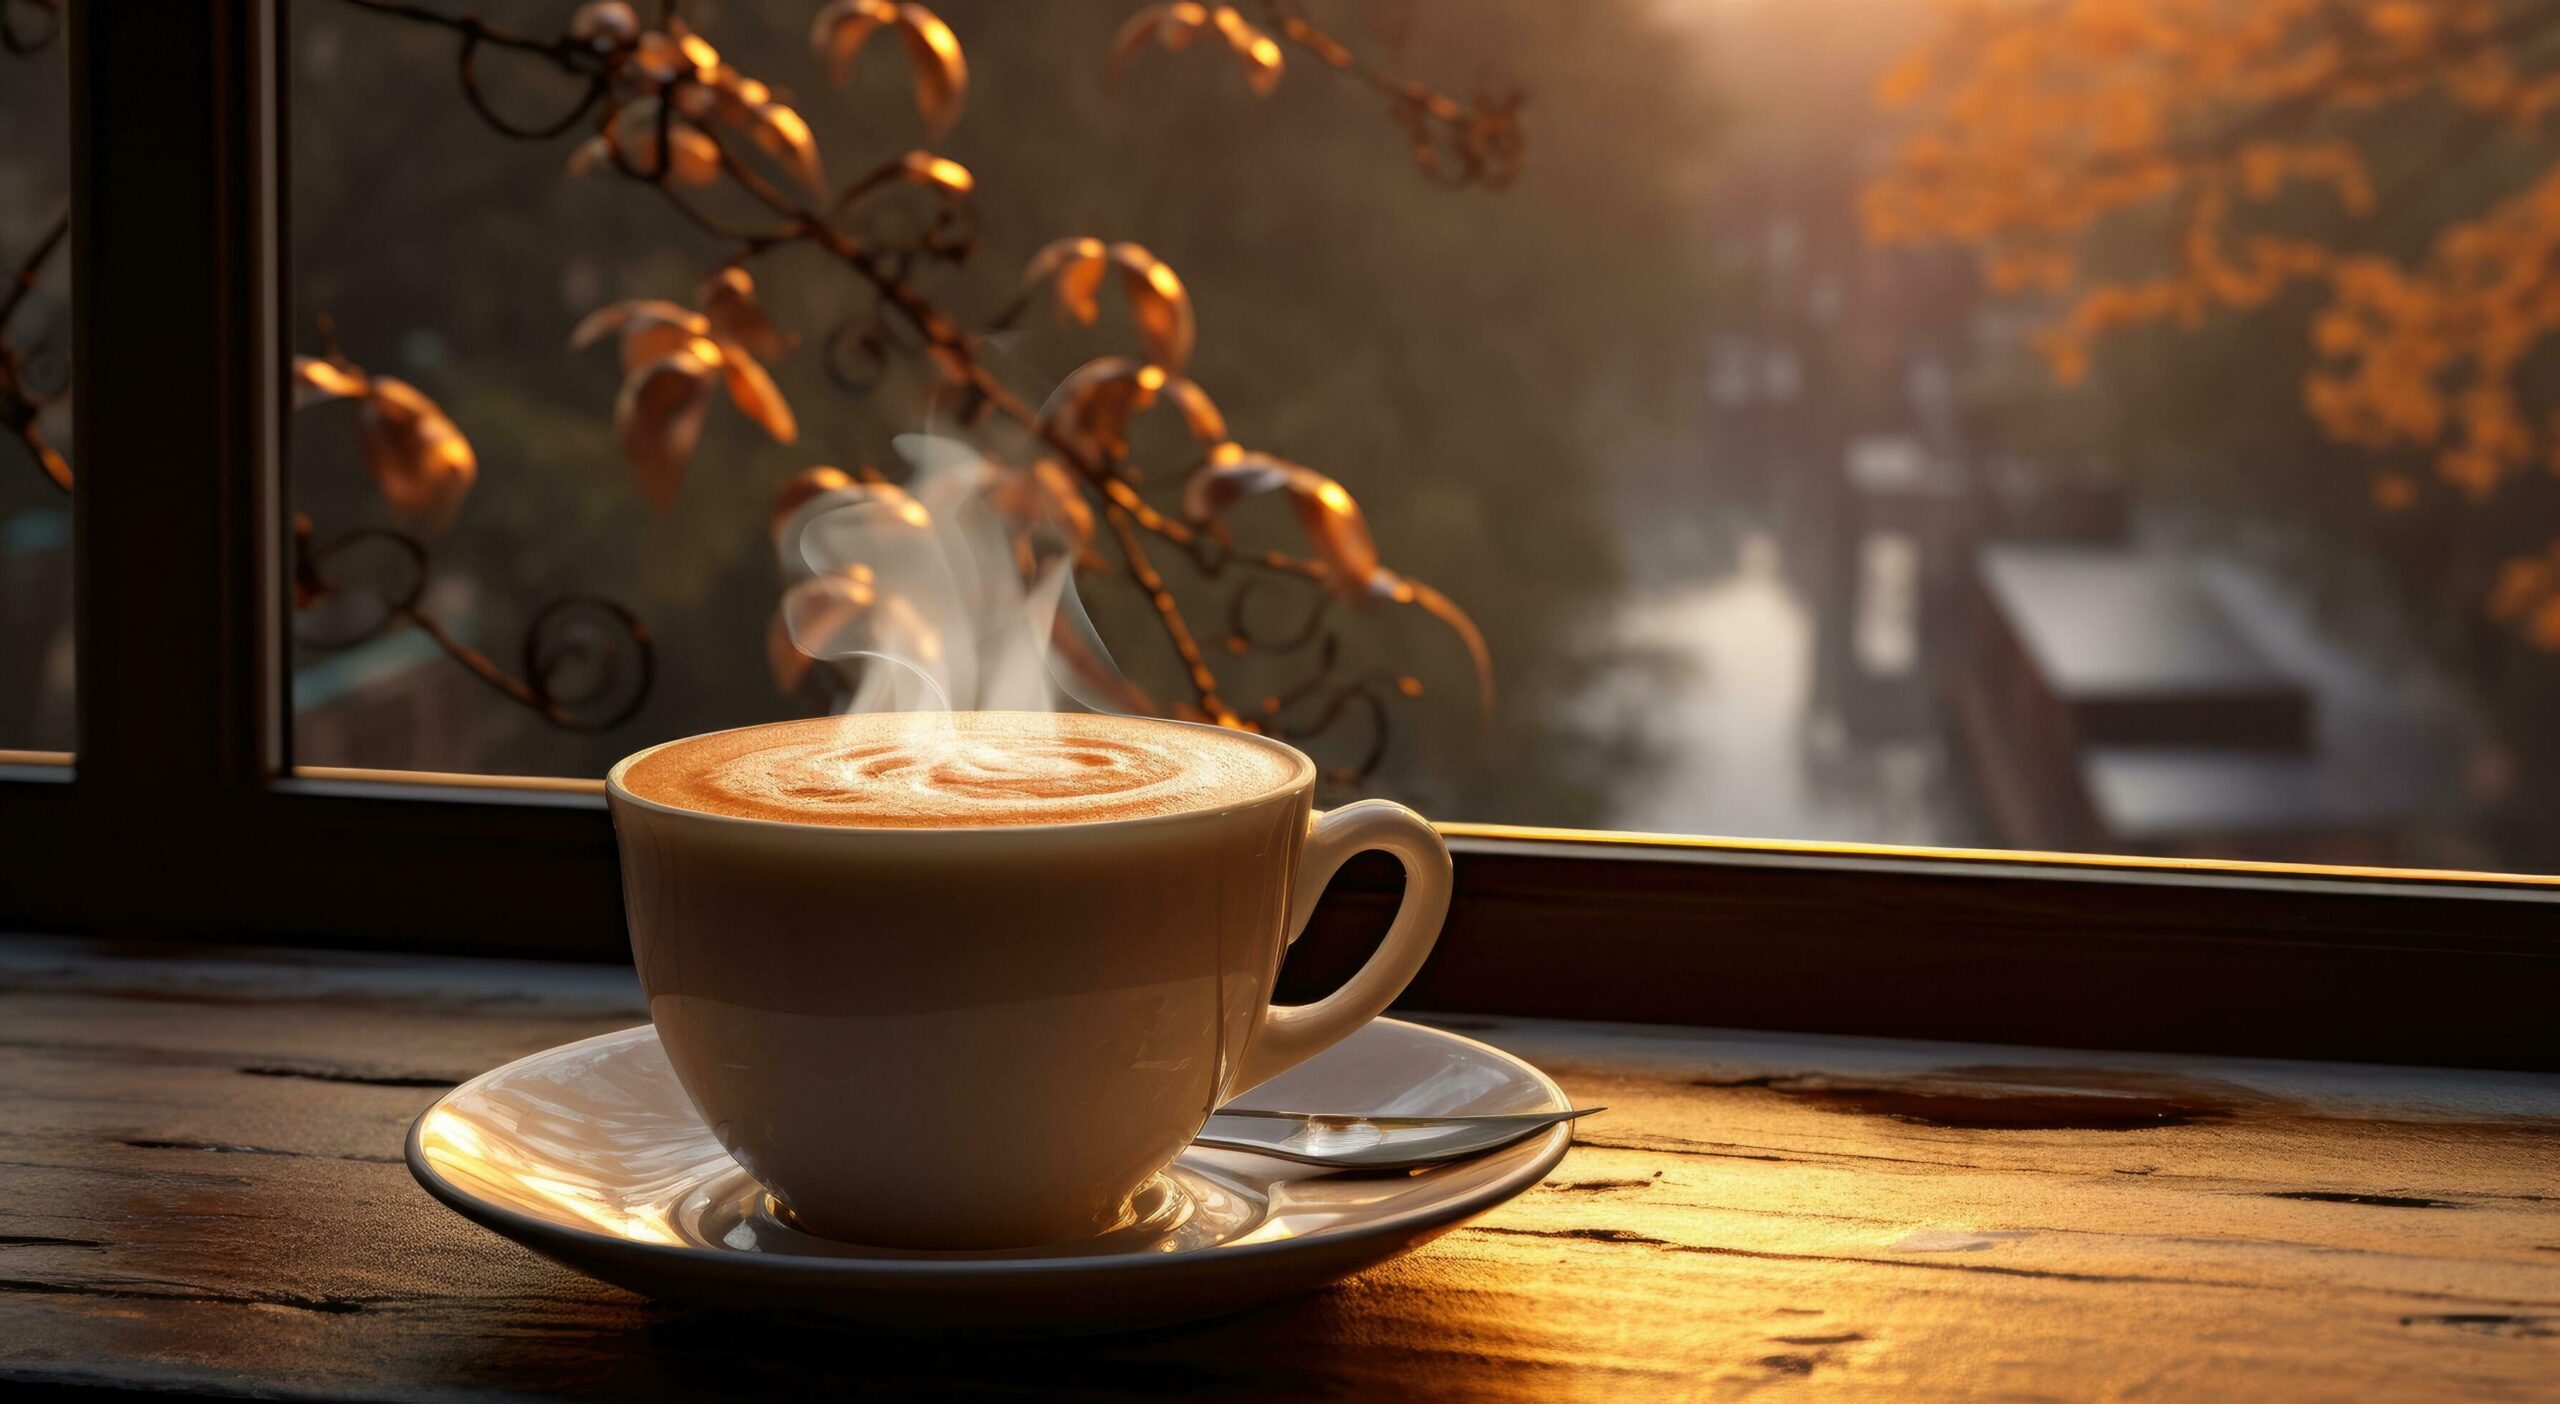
x: 1292, y: 1033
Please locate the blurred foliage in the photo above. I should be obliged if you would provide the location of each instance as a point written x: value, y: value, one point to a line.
x: 2344, y: 207
x: 1464, y: 362
x: 2381, y: 168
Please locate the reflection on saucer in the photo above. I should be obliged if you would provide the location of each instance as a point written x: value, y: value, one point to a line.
x: 592, y: 1154
x: 1175, y: 1211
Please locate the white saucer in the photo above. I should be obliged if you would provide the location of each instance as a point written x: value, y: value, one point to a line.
x: 590, y: 1154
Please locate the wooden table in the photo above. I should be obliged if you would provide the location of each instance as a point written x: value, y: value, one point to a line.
x: 201, y: 1188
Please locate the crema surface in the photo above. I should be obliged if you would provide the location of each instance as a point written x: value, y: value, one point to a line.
x: 927, y: 770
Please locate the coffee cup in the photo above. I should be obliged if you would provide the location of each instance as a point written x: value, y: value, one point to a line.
x: 969, y: 981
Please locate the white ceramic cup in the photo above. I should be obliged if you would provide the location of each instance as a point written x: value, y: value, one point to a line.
x: 992, y: 1037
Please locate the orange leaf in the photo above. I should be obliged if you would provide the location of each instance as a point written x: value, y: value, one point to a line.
x: 805, y: 487
x: 1199, y: 412
x: 420, y: 462
x: 647, y: 312
x: 756, y: 396
x: 1230, y: 475
x: 648, y: 342
x: 697, y: 51
x: 1094, y: 404
x: 1078, y: 266
x: 937, y: 172
x: 633, y: 135
x: 840, y: 29
x: 1173, y: 26
x: 1261, y: 53
x: 824, y: 616
x: 942, y: 73
x: 695, y: 158
x: 316, y: 381
x: 659, y: 418
x: 736, y: 314
x: 933, y: 51
x: 1160, y: 304
x: 50, y: 459
x: 1326, y: 513
x: 659, y: 58
x: 784, y: 134
x: 1333, y: 524
x: 1045, y: 497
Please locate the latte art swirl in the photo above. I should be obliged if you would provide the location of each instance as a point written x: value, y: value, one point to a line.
x: 960, y: 770
x: 1009, y: 777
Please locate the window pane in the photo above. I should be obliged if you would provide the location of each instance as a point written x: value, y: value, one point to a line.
x: 1838, y: 425
x: 35, y: 382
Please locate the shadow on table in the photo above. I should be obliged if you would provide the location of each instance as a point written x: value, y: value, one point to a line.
x: 1376, y: 1331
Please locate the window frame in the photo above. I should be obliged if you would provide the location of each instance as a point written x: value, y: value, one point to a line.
x: 181, y: 818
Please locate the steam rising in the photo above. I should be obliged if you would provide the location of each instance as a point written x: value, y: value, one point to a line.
x: 919, y: 596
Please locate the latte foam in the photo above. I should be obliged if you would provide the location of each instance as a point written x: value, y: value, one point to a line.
x: 928, y: 770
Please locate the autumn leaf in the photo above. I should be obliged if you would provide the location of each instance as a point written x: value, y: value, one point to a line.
x: 1092, y: 407
x: 942, y: 73
x: 658, y: 417
x: 1077, y: 266
x: 732, y: 99
x: 1096, y: 403
x: 752, y: 390
x: 679, y: 68
x: 1199, y: 413
x: 1175, y: 26
x: 697, y: 51
x: 316, y: 381
x: 658, y: 59
x: 813, y: 613
x: 938, y: 173
x: 56, y: 468
x: 933, y: 52
x: 651, y: 329
x: 1046, y: 499
x: 733, y: 313
x: 2186, y: 149
x: 806, y: 486
x: 784, y: 134
x: 631, y: 139
x: 1327, y: 516
x: 841, y: 28
x: 1158, y: 303
x: 419, y: 461
x: 670, y: 355
x: 1259, y: 53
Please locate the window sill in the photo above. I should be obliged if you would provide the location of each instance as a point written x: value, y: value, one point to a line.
x: 203, y: 1204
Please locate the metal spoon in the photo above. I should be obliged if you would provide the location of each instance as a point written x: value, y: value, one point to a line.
x: 1372, y: 1142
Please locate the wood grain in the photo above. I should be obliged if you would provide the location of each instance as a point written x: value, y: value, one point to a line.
x: 200, y: 1189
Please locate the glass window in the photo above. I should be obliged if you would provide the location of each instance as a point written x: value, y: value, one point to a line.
x: 36, y: 451
x: 2113, y: 427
